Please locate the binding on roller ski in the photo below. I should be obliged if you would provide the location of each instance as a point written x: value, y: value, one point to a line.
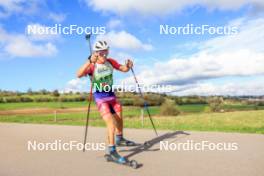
x: 99, y: 68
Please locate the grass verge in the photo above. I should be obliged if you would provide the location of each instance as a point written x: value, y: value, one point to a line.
x: 240, y: 121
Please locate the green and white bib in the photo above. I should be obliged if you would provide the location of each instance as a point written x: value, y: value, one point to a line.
x: 103, y: 77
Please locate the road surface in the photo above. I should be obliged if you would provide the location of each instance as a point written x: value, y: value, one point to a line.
x: 17, y: 160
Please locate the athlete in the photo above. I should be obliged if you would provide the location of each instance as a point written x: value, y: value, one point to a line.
x: 100, y: 69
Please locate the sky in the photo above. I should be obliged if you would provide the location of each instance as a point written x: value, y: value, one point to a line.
x: 194, y: 64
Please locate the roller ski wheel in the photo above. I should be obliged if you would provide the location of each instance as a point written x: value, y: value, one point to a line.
x: 108, y: 158
x: 133, y: 163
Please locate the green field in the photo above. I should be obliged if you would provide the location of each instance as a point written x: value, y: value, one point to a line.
x: 188, y: 108
x: 241, y: 118
x: 244, y: 121
x: 56, y: 105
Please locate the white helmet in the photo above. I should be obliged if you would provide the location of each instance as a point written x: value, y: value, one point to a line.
x: 100, y: 45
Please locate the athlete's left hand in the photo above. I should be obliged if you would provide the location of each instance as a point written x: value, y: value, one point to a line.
x: 129, y: 63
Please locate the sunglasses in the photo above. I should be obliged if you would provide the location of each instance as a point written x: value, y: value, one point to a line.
x: 103, y: 53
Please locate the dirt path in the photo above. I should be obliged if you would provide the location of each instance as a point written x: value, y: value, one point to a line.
x: 16, y: 160
x: 42, y: 111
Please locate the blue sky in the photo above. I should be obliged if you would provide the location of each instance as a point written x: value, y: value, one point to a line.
x: 194, y: 64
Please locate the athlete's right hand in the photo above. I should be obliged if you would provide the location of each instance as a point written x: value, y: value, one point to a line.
x: 94, y: 57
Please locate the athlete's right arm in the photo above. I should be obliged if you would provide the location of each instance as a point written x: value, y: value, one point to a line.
x: 86, y: 68
x: 83, y: 71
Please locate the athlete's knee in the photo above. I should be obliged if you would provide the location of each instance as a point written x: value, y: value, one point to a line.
x: 103, y: 109
x: 118, y: 107
x: 107, y: 116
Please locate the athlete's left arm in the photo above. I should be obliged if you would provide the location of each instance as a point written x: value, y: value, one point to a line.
x: 122, y: 68
x: 127, y: 66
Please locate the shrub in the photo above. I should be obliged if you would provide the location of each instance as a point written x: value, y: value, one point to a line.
x: 63, y: 99
x: 79, y: 98
x: 169, y: 108
x: 71, y: 99
x: 12, y: 99
x: 260, y: 103
x: 138, y: 101
x: 26, y: 99
x: 151, y: 99
x: 216, y: 104
x: 43, y: 99
x: 193, y: 100
x: 154, y: 99
x: 178, y: 100
x: 127, y: 102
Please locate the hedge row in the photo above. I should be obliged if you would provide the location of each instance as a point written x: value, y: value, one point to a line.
x: 151, y: 99
x: 18, y: 99
x: 190, y: 100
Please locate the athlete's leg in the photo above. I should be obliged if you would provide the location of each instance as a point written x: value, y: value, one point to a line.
x: 109, y: 120
x: 119, y: 123
x: 117, y: 107
x: 110, y: 123
x: 120, y: 140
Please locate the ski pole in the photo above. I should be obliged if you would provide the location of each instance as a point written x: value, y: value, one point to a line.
x: 88, y: 38
x: 145, y: 102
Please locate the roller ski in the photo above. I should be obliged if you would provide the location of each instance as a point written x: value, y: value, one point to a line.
x: 113, y: 156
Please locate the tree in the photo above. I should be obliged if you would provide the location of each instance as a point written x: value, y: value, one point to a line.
x: 29, y: 91
x: 56, y: 93
x: 44, y: 91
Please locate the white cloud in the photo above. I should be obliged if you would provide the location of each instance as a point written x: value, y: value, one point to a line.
x: 251, y: 37
x: 120, y: 56
x: 22, y: 47
x: 114, y: 23
x: 56, y: 17
x: 9, y: 7
x: 240, y: 55
x: 204, y: 66
x: 162, y: 7
x: 124, y: 40
x: 76, y: 85
x: 17, y: 45
x: 234, y: 89
x: 29, y: 8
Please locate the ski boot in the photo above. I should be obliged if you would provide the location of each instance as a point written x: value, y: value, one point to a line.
x: 113, y: 156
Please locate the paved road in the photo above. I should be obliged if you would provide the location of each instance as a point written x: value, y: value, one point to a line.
x: 16, y: 160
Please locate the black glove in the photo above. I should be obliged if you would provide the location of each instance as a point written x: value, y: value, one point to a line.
x: 89, y: 57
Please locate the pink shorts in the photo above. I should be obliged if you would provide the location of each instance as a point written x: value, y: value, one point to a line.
x: 112, y: 106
